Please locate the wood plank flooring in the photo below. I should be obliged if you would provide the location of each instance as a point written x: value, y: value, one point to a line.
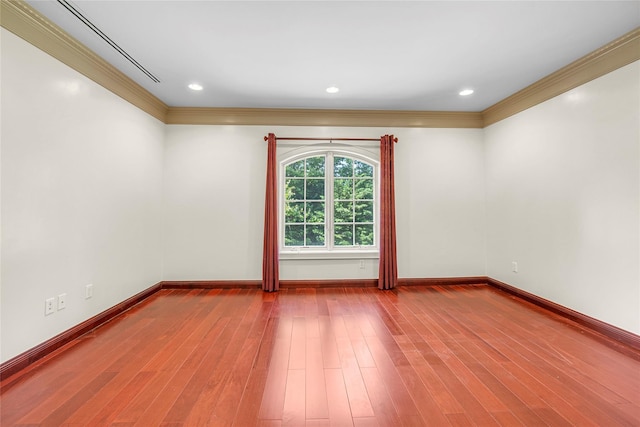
x: 415, y: 356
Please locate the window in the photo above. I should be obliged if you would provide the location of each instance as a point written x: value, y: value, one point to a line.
x: 328, y: 203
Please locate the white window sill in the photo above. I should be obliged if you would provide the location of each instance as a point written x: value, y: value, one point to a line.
x: 323, y: 254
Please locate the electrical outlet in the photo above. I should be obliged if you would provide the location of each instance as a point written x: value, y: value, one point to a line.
x: 361, y: 264
x: 88, y: 291
x: 514, y: 266
x: 49, y: 306
x: 62, y: 301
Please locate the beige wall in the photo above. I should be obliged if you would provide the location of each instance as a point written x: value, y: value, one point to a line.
x: 563, y: 198
x: 81, y: 177
x: 214, y: 203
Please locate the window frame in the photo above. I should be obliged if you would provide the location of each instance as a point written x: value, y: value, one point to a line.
x: 329, y: 250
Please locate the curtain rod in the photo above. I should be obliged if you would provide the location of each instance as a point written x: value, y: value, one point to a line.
x: 327, y: 139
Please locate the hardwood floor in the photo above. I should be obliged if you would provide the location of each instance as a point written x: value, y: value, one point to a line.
x: 415, y: 356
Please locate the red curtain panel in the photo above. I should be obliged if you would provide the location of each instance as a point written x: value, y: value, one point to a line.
x: 270, y: 274
x: 388, y: 273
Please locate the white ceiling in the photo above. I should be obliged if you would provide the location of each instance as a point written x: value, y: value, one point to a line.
x: 390, y: 55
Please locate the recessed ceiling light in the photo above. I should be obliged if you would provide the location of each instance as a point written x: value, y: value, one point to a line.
x: 333, y: 89
x: 466, y: 92
x: 195, y: 86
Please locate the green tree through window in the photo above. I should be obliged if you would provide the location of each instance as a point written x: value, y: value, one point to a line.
x: 353, y: 202
x: 304, y: 208
x: 329, y: 202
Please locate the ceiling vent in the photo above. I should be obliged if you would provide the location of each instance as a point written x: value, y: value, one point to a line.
x: 75, y: 12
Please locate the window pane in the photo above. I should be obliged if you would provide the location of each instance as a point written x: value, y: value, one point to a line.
x: 294, y: 212
x: 315, y: 212
x: 364, y: 234
x: 362, y: 169
x: 294, y: 189
x: 295, y: 169
x: 342, y: 167
x: 315, y: 166
x: 343, y: 212
x: 343, y: 235
x: 294, y: 235
x: 364, y: 212
x: 364, y: 189
x: 315, y: 189
x: 343, y: 189
x: 315, y: 235
x: 351, y: 211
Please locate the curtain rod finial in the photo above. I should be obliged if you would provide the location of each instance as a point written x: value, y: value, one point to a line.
x: 395, y: 139
x: 266, y: 138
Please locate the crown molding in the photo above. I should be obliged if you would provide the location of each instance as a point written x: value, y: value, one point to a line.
x: 19, y: 18
x: 620, y: 52
x: 308, y: 117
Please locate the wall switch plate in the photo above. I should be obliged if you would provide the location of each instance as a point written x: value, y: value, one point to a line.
x: 49, y: 306
x: 514, y: 267
x: 88, y: 291
x: 62, y: 301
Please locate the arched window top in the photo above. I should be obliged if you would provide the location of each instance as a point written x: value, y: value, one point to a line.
x: 366, y: 154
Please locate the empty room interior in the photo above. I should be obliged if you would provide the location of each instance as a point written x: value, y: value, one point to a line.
x: 319, y: 213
